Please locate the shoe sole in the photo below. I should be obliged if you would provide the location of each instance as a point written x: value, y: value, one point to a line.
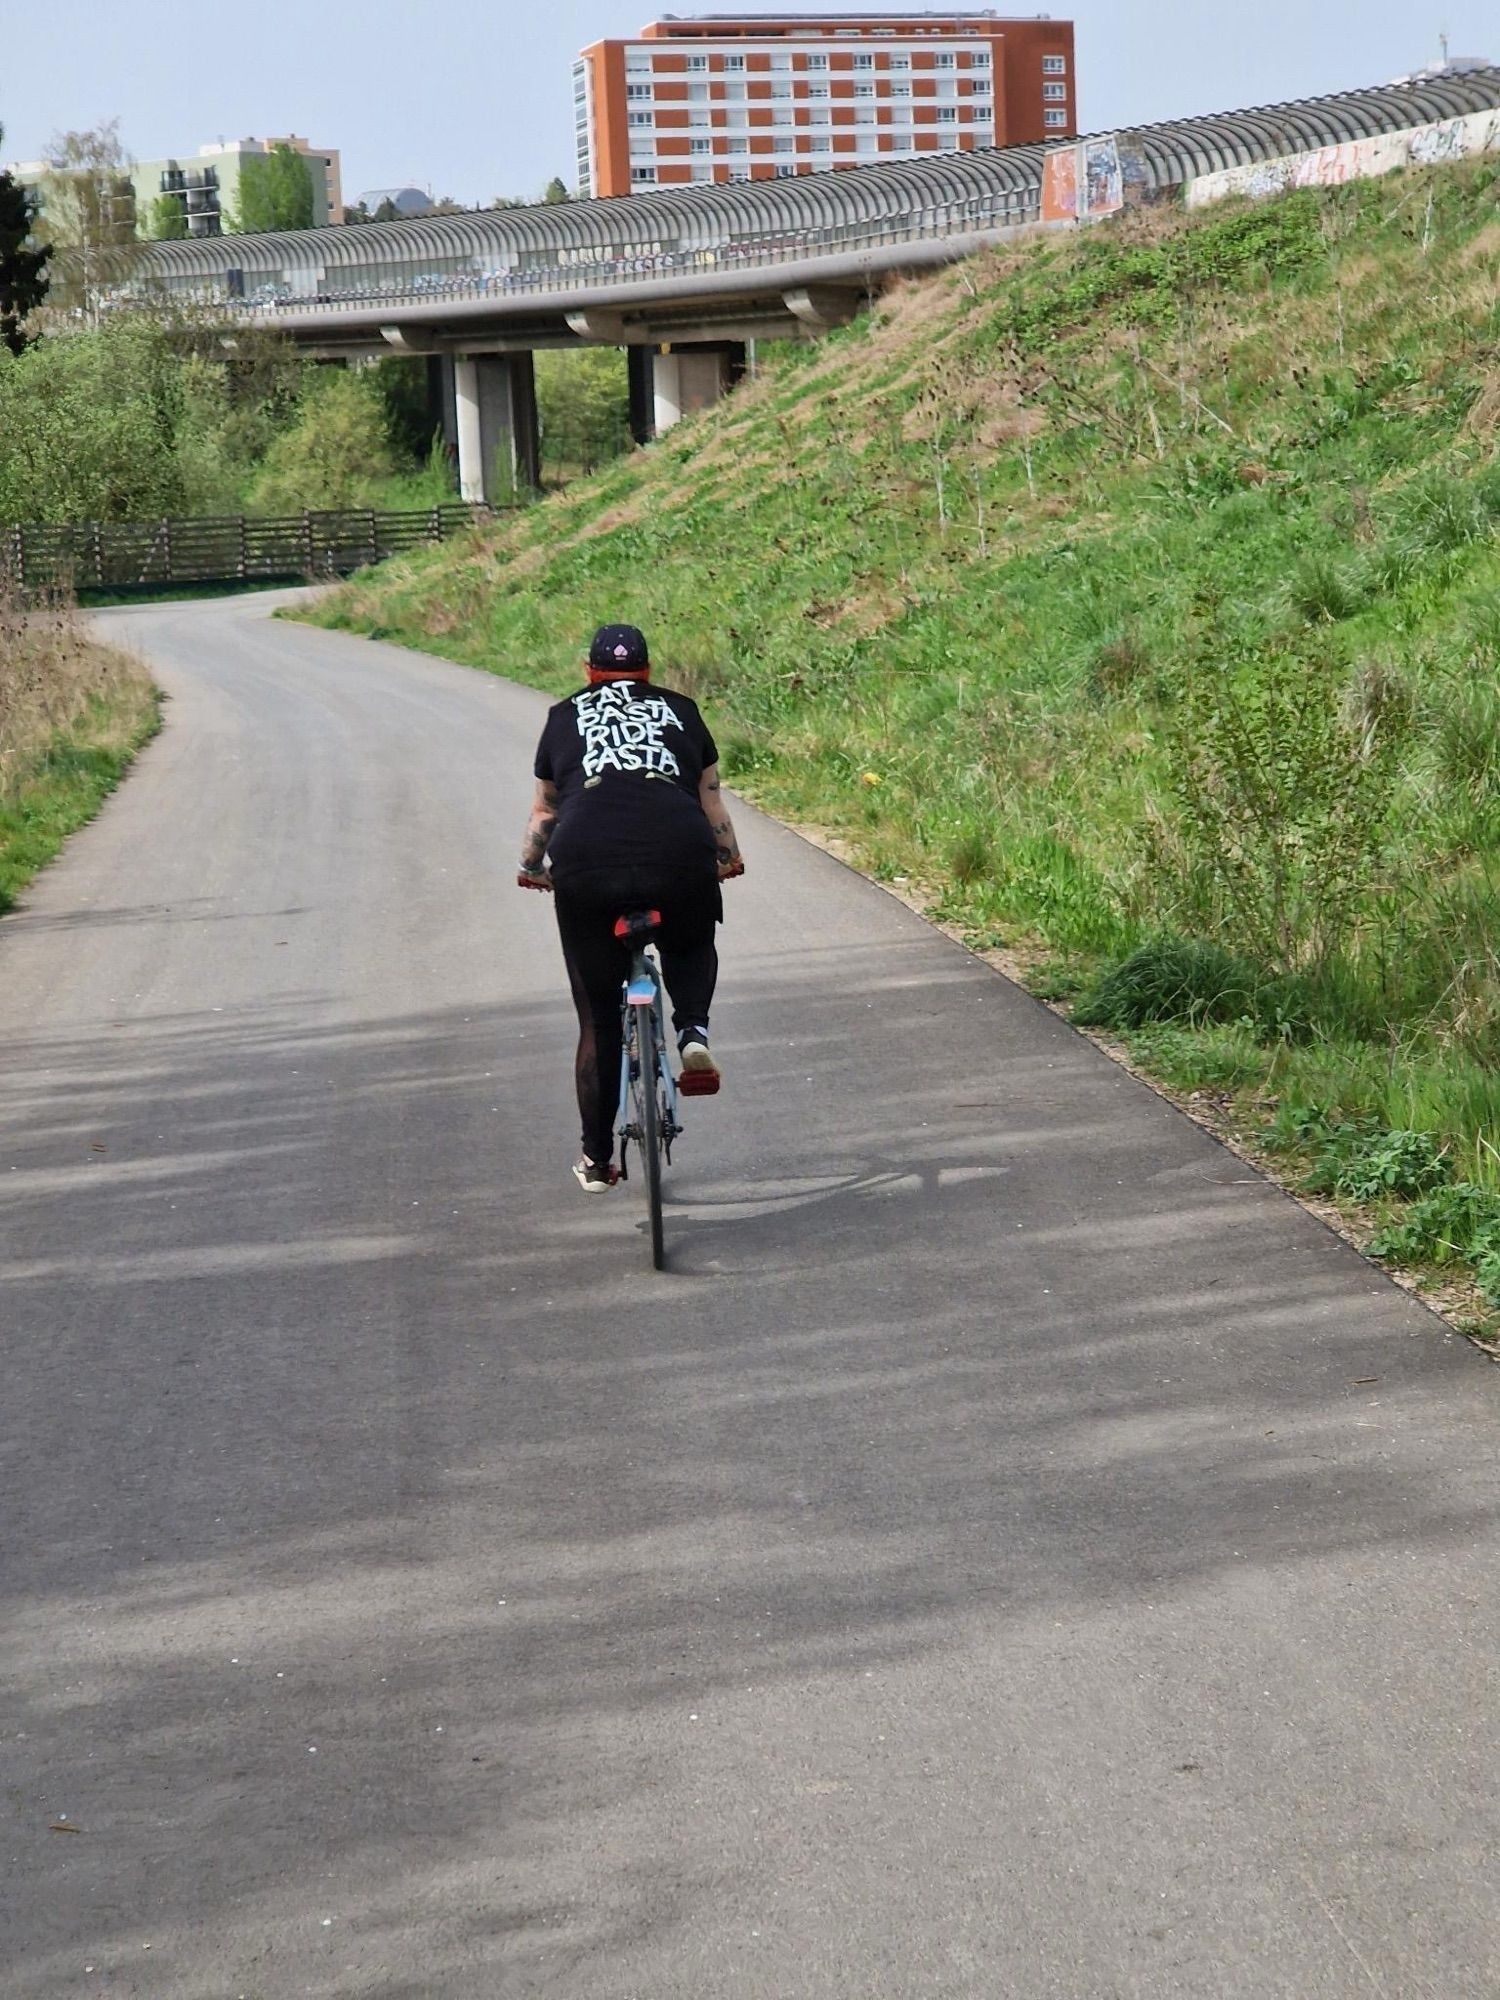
x: 697, y: 1061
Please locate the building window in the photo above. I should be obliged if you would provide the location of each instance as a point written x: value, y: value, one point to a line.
x: 815, y: 62
x: 947, y: 114
x: 948, y: 141
x: 739, y: 174
x: 700, y: 145
x: 898, y: 61
x: 781, y: 61
x: 637, y: 65
x: 1054, y: 65
x: 738, y: 143
x: 697, y: 64
x: 638, y: 119
x: 864, y: 90
x: 943, y: 59
x: 697, y: 93
x: 1054, y: 120
x: 900, y: 90
x: 638, y: 93
x: 1055, y: 93
x: 864, y: 61
x: 822, y: 116
x: 734, y: 63
x: 781, y: 90
x: 643, y: 176
x: 981, y: 60
x: 785, y: 169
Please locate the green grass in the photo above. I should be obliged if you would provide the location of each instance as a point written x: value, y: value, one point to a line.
x: 1137, y: 591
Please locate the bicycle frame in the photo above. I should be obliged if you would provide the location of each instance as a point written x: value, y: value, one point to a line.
x: 643, y: 989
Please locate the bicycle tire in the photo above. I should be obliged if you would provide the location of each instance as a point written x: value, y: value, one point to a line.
x: 650, y: 1103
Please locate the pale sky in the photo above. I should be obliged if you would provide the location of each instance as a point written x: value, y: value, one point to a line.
x: 473, y: 98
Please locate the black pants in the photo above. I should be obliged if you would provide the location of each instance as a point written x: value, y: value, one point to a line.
x: 597, y: 962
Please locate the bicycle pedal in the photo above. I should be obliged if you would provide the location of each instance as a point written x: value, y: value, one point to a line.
x: 698, y: 1083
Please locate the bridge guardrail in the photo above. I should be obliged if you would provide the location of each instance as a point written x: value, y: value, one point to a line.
x: 139, y: 555
x: 1011, y: 209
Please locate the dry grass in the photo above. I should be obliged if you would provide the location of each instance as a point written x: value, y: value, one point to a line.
x: 55, y: 681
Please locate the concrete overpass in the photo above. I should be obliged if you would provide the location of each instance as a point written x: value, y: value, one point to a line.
x: 682, y: 278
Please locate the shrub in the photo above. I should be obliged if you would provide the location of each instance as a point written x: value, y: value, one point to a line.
x: 1281, y: 812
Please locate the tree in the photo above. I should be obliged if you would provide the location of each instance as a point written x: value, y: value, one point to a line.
x: 166, y: 220
x: 88, y: 215
x: 584, y: 408
x: 555, y: 191
x: 276, y: 192
x: 337, y: 453
x: 23, y: 261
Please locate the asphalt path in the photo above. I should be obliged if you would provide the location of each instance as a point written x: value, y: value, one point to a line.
x: 1013, y: 1552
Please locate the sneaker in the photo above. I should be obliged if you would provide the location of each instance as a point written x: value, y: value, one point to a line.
x: 595, y: 1180
x: 692, y: 1046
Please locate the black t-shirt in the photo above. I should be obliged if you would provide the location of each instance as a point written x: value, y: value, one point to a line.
x: 625, y: 759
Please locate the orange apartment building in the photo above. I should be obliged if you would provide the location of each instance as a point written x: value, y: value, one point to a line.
x: 756, y: 97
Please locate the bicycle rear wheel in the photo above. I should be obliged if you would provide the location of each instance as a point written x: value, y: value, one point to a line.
x: 649, y: 1101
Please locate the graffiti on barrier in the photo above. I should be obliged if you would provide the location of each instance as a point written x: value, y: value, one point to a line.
x: 1357, y: 159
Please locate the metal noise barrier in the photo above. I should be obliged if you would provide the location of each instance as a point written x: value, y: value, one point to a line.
x: 144, y: 555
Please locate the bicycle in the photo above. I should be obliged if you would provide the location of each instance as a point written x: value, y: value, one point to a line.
x: 648, y: 1094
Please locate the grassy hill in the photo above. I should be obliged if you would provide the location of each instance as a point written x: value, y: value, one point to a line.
x: 1137, y: 591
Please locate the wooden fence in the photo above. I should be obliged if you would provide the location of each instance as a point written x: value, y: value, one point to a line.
x: 135, y: 555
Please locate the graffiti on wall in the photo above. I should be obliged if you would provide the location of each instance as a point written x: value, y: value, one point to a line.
x: 1097, y: 177
x: 1355, y: 160
x: 1060, y: 185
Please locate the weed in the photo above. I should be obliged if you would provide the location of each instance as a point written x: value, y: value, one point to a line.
x: 1365, y: 1164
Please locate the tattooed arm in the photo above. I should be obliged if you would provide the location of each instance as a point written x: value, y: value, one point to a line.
x: 539, y: 828
x: 711, y: 798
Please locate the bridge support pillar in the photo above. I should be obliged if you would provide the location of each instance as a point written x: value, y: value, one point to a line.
x: 685, y: 379
x: 639, y: 375
x: 494, y: 398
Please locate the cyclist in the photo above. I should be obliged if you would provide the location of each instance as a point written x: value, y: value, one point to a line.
x: 628, y: 815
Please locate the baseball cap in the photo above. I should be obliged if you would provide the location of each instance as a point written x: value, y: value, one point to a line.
x: 619, y: 649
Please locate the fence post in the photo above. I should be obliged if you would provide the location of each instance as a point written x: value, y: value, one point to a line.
x: 167, y: 547
x: 306, y: 545
x: 242, y: 548
x: 98, y: 551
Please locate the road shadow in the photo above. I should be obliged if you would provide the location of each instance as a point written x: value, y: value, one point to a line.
x: 380, y: 1526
